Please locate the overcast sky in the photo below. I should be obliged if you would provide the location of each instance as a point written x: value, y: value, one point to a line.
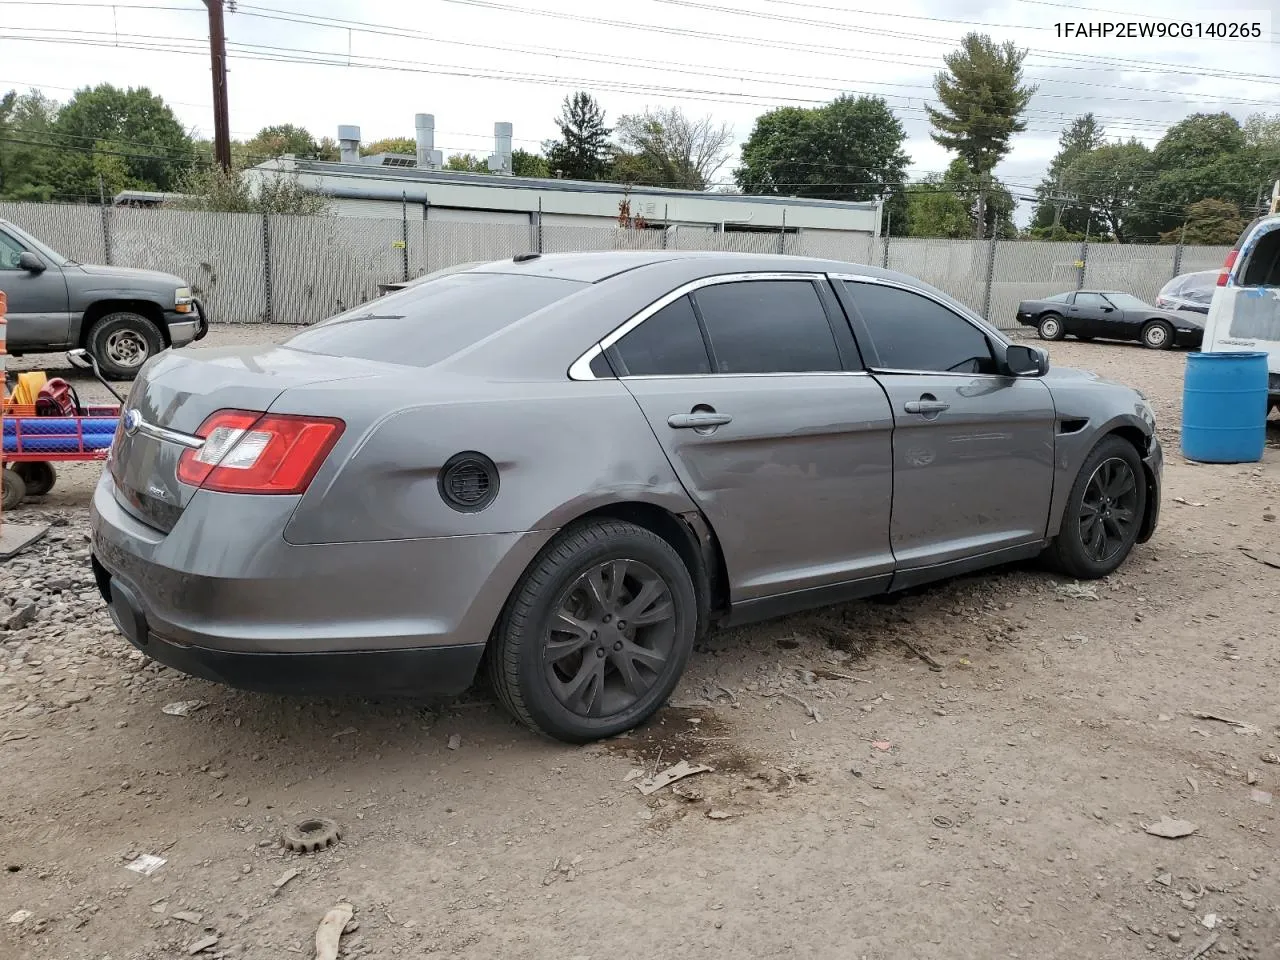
x: 730, y: 58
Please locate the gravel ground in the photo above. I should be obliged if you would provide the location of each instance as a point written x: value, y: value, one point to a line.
x: 861, y: 804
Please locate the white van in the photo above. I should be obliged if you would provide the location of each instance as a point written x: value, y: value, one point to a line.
x: 1245, y: 313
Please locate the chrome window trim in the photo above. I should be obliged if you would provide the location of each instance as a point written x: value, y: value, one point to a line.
x: 580, y: 369
x: 970, y: 318
x: 724, y: 376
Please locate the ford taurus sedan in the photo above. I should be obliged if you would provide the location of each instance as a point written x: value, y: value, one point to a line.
x: 560, y: 470
x: 1112, y: 316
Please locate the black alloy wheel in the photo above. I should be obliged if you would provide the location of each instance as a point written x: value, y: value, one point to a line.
x: 1108, y: 515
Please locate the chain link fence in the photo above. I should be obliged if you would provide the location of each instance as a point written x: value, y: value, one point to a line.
x: 250, y: 268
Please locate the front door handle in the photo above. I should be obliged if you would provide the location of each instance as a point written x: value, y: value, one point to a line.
x: 697, y: 421
x: 926, y: 407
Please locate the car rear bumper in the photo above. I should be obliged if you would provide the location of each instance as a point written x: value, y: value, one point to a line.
x: 223, y: 596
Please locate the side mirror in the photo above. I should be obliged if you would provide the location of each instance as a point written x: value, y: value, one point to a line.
x: 1023, y: 361
x: 29, y: 262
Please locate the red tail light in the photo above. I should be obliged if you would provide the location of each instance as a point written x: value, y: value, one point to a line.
x: 1226, y: 267
x: 248, y: 452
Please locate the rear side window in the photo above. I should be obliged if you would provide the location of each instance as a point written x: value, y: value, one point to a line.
x: 426, y: 323
x: 668, y: 343
x: 913, y: 333
x: 768, y: 326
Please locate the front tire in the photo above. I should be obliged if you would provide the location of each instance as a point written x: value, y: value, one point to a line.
x: 1050, y: 327
x: 122, y: 342
x: 12, y: 490
x: 1157, y: 335
x: 596, y: 633
x: 1104, y: 512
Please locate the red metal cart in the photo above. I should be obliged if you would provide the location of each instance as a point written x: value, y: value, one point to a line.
x: 32, y: 444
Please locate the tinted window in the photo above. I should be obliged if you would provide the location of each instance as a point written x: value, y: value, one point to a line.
x: 1058, y: 298
x: 1090, y: 300
x: 669, y: 343
x: 427, y: 322
x: 768, y: 326
x: 911, y: 332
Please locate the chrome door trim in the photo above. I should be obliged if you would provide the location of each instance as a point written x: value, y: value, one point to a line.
x: 580, y: 369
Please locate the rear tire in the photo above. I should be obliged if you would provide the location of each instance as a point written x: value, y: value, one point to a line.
x: 1102, y: 499
x: 12, y: 490
x: 563, y: 659
x: 38, y: 476
x: 122, y: 342
x: 1050, y: 327
x: 1157, y: 335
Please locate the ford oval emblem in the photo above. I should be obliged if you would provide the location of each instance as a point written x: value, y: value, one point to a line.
x: 132, y: 421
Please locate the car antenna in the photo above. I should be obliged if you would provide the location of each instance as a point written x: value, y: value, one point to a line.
x: 525, y: 257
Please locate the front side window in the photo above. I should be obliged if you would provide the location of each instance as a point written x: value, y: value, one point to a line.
x: 910, y: 332
x: 668, y: 343
x: 1091, y: 301
x: 10, y: 252
x: 768, y: 326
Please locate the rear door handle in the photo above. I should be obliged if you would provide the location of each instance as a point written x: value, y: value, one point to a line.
x: 926, y: 406
x: 697, y: 421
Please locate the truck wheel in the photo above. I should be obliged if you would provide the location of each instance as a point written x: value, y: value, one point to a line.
x: 38, y: 477
x: 12, y: 489
x: 122, y: 342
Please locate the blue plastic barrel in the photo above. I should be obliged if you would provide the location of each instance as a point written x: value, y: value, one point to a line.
x: 1224, y: 407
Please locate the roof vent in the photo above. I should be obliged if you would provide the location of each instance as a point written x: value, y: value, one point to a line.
x: 525, y: 257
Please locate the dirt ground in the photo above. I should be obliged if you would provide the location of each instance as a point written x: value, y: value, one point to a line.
x: 861, y: 803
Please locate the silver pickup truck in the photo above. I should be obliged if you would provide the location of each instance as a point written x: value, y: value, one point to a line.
x: 120, y: 315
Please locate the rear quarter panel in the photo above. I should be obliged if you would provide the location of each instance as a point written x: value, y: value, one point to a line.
x: 562, y: 449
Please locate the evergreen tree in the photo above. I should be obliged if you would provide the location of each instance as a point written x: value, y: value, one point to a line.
x: 582, y: 152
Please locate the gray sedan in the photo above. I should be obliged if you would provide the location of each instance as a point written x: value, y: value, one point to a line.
x: 561, y: 470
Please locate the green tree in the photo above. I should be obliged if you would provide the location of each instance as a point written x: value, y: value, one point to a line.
x: 526, y: 164
x: 948, y: 205
x: 849, y: 149
x: 982, y: 99
x: 279, y: 139
x: 405, y: 145
x: 1206, y: 156
x: 1083, y: 134
x: 157, y: 151
x: 664, y: 147
x: 1110, y: 181
x: 466, y: 163
x: 26, y: 157
x: 582, y: 152
x: 1209, y: 222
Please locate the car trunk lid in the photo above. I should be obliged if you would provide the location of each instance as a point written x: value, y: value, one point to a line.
x: 176, y: 392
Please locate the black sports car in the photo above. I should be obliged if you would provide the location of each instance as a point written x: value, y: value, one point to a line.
x: 1111, y: 316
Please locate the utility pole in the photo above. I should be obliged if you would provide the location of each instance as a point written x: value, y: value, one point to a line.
x: 218, y: 59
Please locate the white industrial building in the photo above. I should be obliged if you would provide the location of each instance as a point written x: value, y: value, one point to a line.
x: 396, y: 186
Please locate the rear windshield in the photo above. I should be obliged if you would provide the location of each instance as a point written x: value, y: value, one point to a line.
x: 428, y: 322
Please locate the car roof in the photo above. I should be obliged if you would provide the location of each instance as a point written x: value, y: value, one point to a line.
x: 595, y: 266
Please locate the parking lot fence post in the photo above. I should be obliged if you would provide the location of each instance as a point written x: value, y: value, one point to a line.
x: 266, y: 267
x: 106, y: 221
x: 884, y: 253
x: 1084, y: 259
x: 404, y: 236
x: 991, y: 273
x: 1177, y: 251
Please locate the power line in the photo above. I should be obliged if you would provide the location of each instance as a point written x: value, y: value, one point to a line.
x: 668, y: 66
x: 1136, y: 126
x: 830, y: 50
